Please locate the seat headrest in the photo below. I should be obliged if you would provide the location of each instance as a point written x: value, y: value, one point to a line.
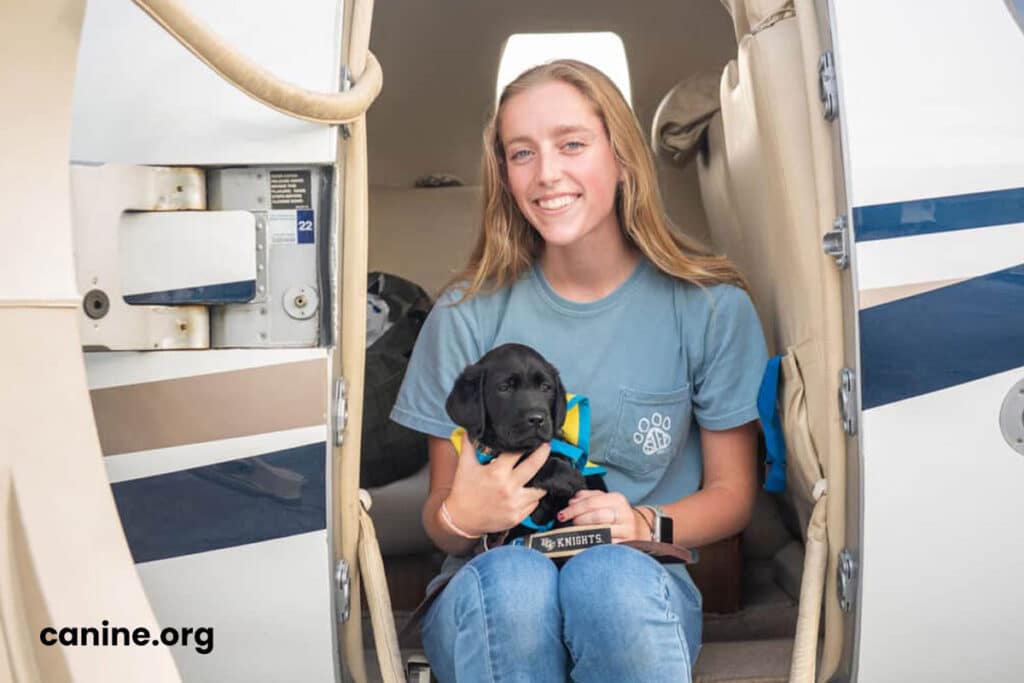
x: 747, y: 14
x: 683, y: 115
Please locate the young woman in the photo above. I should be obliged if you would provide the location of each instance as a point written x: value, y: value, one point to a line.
x: 576, y: 258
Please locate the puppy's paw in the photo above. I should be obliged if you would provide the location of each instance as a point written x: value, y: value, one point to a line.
x: 559, y: 478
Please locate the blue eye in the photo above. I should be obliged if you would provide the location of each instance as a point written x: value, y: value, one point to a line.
x: 519, y: 155
x: 573, y: 146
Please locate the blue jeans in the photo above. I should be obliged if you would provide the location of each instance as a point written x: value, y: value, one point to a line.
x: 611, y: 614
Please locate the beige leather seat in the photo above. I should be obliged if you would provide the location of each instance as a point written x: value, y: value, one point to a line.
x: 767, y: 187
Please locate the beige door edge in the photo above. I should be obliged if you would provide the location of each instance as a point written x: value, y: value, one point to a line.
x: 66, y: 562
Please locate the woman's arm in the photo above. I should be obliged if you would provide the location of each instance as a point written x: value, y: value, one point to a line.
x: 723, y: 505
x: 479, y: 498
x: 719, y: 509
x: 442, y: 471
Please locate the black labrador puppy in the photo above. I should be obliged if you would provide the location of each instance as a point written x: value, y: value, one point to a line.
x: 512, y: 399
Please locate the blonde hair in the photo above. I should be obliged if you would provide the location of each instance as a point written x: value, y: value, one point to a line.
x: 507, y: 244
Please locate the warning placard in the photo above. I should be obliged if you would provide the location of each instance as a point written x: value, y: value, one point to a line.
x: 281, y: 224
x: 289, y: 190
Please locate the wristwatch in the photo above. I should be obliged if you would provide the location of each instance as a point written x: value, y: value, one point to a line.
x: 662, y: 525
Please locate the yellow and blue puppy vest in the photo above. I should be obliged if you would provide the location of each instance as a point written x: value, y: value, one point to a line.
x: 575, y: 446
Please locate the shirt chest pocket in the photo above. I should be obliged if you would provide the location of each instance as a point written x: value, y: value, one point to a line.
x: 649, y: 430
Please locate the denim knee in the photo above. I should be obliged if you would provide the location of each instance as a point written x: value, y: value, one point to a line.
x: 608, y: 578
x: 517, y: 581
x: 498, y: 619
x: 647, y: 623
x: 518, y: 589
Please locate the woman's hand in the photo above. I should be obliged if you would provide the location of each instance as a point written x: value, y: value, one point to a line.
x: 607, y: 509
x: 494, y: 497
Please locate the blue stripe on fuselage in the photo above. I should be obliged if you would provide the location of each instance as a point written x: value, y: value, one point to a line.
x: 224, y: 505
x: 938, y: 214
x: 942, y: 338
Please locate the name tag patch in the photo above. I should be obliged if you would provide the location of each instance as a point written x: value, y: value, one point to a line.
x: 569, y: 541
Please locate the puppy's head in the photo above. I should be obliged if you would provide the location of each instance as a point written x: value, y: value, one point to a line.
x: 512, y: 399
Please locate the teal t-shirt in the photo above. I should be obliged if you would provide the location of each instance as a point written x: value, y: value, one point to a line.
x: 658, y: 359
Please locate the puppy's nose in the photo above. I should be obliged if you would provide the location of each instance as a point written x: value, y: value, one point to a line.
x: 536, y: 418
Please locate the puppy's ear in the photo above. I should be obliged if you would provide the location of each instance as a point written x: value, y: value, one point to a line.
x: 465, y: 404
x: 558, y: 407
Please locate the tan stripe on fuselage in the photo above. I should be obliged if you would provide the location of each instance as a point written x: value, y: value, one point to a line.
x: 138, y: 417
x: 884, y: 295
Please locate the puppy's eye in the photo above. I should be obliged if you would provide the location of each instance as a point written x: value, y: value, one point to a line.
x: 504, y: 387
x: 546, y: 387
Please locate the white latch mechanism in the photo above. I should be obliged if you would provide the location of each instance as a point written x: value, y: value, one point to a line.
x: 149, y: 257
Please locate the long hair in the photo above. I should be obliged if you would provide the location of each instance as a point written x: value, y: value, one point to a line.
x: 507, y: 244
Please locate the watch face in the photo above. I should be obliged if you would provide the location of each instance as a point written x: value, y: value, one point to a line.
x: 665, y: 529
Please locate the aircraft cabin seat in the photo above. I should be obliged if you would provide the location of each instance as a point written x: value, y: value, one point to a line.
x: 766, y: 184
x: 760, y: 193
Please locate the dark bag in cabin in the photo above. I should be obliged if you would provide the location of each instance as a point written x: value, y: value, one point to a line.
x: 396, y: 309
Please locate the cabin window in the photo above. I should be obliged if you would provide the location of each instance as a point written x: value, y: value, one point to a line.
x: 604, y: 50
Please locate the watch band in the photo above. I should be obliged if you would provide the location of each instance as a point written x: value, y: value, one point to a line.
x: 663, y: 531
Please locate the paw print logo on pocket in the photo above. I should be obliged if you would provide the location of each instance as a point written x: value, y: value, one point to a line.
x: 652, y: 433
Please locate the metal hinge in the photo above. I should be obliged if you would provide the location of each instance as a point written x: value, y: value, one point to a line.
x: 846, y: 583
x: 340, y: 410
x: 827, y: 89
x: 836, y: 242
x: 346, y: 85
x: 848, y: 400
x: 343, y: 581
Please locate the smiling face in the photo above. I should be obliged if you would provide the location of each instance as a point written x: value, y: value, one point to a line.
x: 560, y: 166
